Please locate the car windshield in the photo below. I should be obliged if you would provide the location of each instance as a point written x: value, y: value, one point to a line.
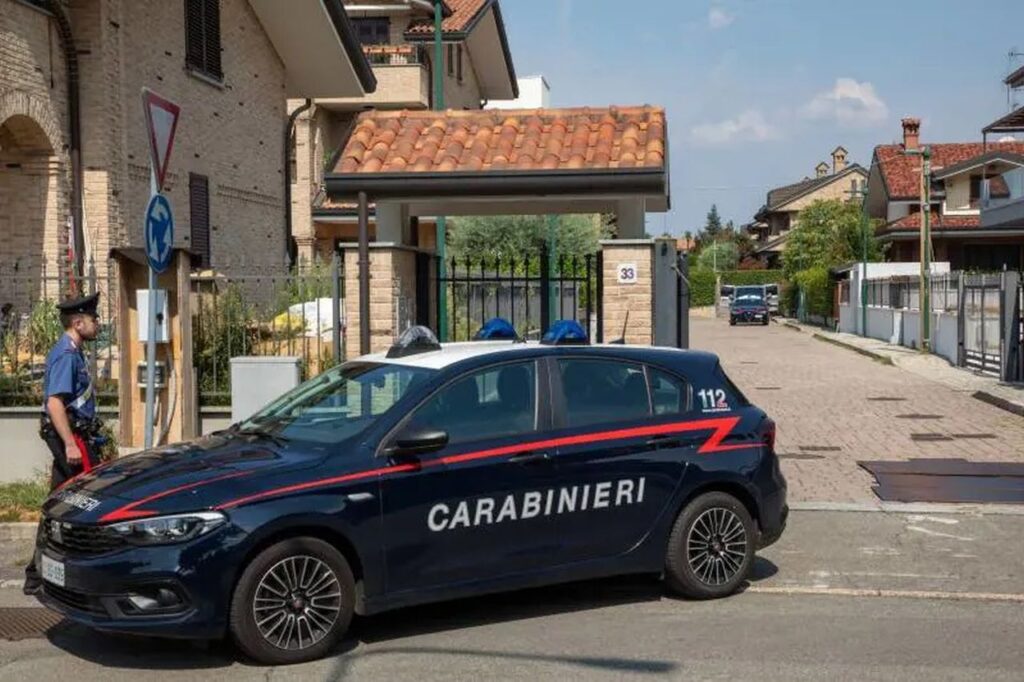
x: 749, y: 298
x: 336, y: 405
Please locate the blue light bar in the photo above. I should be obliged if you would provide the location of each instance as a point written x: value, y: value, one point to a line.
x: 495, y: 329
x: 564, y: 333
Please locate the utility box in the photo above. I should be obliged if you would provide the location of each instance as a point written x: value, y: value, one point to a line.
x: 258, y: 381
x: 142, y: 305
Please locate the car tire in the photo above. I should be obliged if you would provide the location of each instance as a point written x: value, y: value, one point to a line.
x: 705, y: 558
x: 310, y: 585
x: 764, y: 322
x: 732, y: 321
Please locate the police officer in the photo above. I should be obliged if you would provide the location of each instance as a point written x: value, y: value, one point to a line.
x: 68, y: 421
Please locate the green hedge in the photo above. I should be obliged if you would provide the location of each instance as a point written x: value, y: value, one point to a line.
x: 702, y: 287
x: 817, y: 290
x: 751, y: 277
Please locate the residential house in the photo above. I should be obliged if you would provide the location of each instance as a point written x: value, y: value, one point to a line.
x: 963, y: 176
x: 781, y: 211
x: 398, y: 39
x: 534, y: 93
x: 75, y: 176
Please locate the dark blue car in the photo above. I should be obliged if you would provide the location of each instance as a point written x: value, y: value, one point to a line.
x: 749, y: 305
x: 417, y: 475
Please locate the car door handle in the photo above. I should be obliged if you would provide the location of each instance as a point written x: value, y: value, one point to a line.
x: 530, y: 458
x: 663, y: 441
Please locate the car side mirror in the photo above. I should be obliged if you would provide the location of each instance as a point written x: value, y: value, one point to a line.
x: 419, y: 441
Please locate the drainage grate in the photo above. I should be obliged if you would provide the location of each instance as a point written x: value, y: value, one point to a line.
x: 887, y: 399
x: 26, y: 622
x: 947, y: 480
x: 929, y: 436
x: 919, y: 416
x: 820, y: 448
x: 767, y: 388
x: 748, y: 362
x: 974, y: 436
x: 799, y: 455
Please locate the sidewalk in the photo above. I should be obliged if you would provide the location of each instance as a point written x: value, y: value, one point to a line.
x: 927, y: 366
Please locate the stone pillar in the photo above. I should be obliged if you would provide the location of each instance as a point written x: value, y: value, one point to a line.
x: 392, y: 295
x: 628, y: 290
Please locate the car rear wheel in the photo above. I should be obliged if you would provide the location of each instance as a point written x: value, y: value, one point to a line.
x: 293, y: 602
x: 711, y: 547
x: 732, y: 321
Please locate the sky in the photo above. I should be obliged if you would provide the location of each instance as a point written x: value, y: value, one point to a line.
x: 758, y: 92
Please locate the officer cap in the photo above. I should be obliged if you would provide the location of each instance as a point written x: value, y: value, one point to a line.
x: 84, y: 305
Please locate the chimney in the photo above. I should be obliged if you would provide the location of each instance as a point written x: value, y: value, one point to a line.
x: 821, y: 170
x: 911, y: 133
x: 838, y: 160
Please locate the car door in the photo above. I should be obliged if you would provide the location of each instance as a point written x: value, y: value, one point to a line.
x: 470, y: 511
x: 619, y: 453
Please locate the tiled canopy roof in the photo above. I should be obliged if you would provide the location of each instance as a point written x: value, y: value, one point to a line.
x: 938, y: 222
x: 902, y: 173
x: 463, y: 14
x: 528, y: 139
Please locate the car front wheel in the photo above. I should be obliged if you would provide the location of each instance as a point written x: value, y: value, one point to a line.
x: 711, y: 547
x: 293, y: 603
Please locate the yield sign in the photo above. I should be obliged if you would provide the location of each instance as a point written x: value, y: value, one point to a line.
x: 161, y: 122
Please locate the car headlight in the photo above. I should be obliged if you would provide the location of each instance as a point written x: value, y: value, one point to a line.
x: 162, y: 530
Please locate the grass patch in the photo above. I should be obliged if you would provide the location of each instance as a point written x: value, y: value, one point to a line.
x: 21, y: 500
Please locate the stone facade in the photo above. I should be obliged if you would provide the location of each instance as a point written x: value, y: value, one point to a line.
x: 229, y: 131
x: 628, y: 306
x: 392, y: 296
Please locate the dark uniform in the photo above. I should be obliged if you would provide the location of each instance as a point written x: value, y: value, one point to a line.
x: 67, y: 377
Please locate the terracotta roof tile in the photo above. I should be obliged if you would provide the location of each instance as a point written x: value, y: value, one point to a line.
x: 462, y: 16
x: 526, y: 139
x: 902, y: 173
x: 938, y: 222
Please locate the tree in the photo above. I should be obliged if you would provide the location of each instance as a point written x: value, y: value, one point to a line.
x: 515, y: 237
x: 719, y: 256
x: 713, y: 223
x: 829, y: 233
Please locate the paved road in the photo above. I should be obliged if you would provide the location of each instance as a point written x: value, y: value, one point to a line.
x: 796, y: 621
x: 819, y: 396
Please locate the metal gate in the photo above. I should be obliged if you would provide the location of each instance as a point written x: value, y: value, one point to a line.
x: 982, y: 323
x: 529, y: 291
x: 1016, y: 372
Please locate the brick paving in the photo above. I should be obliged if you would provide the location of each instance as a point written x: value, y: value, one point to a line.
x: 818, y: 394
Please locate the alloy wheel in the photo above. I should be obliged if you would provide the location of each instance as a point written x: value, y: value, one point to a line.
x: 716, y: 546
x: 297, y: 602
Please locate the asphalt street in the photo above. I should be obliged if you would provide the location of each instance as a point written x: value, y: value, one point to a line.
x: 844, y: 595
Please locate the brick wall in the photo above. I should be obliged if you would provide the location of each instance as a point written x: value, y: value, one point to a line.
x: 392, y: 297
x: 635, y: 300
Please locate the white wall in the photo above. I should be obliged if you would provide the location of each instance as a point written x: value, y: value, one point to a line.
x: 880, y: 323
x: 534, y: 93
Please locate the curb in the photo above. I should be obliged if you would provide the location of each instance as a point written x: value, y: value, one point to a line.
x: 1001, y: 403
x: 877, y: 357
x: 910, y: 508
x: 792, y: 326
x: 18, y: 530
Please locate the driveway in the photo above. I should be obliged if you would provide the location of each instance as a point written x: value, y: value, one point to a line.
x: 834, y: 407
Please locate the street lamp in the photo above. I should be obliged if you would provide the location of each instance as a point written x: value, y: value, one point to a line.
x: 925, y: 244
x: 441, y: 223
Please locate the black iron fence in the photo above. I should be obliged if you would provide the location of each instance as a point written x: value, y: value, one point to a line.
x: 297, y: 313
x: 529, y: 291
x: 30, y: 324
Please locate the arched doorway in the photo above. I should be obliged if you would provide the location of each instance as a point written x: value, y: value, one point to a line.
x: 32, y: 212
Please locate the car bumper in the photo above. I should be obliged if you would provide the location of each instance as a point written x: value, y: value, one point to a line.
x: 98, y: 590
x: 749, y: 316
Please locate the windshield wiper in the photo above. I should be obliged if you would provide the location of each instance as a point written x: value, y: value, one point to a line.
x: 264, y: 434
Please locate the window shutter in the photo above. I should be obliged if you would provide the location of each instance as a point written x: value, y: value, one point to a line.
x: 211, y: 16
x: 195, y: 52
x: 458, y: 63
x: 199, y: 216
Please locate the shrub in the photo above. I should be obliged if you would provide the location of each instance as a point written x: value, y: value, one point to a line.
x: 702, y: 287
x: 751, y: 277
x: 44, y: 327
x: 817, y: 288
x: 720, y: 255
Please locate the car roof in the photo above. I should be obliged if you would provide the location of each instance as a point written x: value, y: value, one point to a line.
x: 452, y: 353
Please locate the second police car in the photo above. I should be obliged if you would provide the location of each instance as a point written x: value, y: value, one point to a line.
x: 422, y: 474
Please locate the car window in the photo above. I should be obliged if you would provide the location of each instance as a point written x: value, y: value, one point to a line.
x: 601, y: 391
x: 489, y: 403
x: 669, y: 394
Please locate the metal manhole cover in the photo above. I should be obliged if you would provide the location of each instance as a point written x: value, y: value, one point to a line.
x: 975, y: 436
x: 799, y: 455
x: 887, y: 399
x: 919, y: 416
x: 26, y: 622
x: 929, y: 436
x: 820, y: 448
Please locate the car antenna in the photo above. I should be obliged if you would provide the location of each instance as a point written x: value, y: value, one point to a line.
x: 621, y: 341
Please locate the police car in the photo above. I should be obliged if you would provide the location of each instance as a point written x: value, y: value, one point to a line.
x: 424, y: 473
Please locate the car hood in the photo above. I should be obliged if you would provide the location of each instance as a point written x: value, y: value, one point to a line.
x: 181, y: 477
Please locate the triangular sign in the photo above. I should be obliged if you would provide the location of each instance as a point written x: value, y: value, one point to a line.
x: 161, y: 122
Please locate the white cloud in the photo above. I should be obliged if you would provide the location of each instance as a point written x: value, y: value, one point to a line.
x: 719, y: 18
x: 849, y: 103
x: 749, y: 126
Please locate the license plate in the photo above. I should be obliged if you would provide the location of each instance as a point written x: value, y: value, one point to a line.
x: 52, y: 570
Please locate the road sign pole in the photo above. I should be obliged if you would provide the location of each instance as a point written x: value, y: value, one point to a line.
x: 151, y: 336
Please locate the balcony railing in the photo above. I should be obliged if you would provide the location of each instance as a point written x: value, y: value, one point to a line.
x: 395, y: 55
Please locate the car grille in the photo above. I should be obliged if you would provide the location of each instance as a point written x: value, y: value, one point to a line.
x: 81, y: 539
x: 73, y: 599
